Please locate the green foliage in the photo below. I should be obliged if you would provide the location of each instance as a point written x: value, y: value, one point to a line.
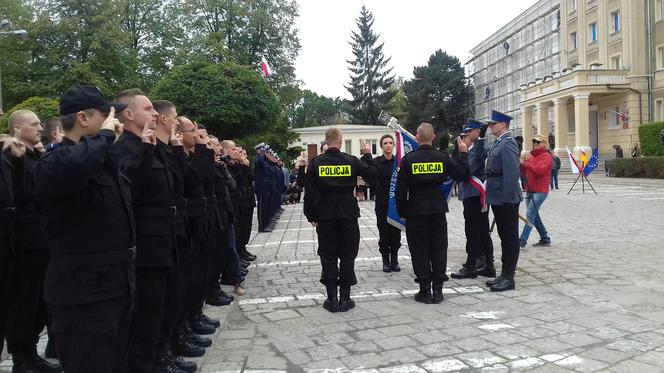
x: 649, y: 136
x: 370, y: 79
x: 438, y: 94
x: 643, y: 167
x: 44, y: 108
x: 313, y: 110
x: 231, y: 100
x: 397, y: 105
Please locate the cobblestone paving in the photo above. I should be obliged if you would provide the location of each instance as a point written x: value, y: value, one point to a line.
x: 592, y: 301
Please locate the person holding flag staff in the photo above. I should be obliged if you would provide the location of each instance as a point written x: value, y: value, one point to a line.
x: 479, y: 247
x: 330, y: 206
x: 503, y: 193
x: 420, y: 201
x: 537, y: 169
x: 389, y: 236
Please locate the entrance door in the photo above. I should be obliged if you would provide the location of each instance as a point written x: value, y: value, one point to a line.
x: 312, y: 151
x: 593, y: 128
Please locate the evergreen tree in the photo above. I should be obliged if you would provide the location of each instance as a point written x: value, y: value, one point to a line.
x: 370, y: 79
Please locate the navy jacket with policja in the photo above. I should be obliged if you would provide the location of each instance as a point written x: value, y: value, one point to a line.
x: 420, y: 176
x: 330, y: 182
x: 86, y: 214
x: 152, y: 197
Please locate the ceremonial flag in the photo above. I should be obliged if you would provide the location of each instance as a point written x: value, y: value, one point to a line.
x: 405, y: 143
x: 572, y: 162
x: 592, y: 162
x: 584, y: 159
x: 265, y: 67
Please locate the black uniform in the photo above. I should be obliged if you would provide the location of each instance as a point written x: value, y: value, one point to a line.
x: 27, y: 313
x: 329, y: 201
x: 89, y: 285
x: 147, y: 167
x: 244, y: 202
x: 225, y: 186
x: 7, y: 212
x: 419, y: 199
x: 389, y: 236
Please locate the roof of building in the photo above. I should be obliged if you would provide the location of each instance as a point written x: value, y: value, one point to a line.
x: 346, y: 128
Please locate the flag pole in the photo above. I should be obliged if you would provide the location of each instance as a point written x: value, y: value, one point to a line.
x: 591, y: 186
x: 573, y: 184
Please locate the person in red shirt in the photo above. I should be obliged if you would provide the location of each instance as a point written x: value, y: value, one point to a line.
x: 537, y: 170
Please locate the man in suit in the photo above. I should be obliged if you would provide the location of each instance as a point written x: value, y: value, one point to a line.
x: 504, y: 195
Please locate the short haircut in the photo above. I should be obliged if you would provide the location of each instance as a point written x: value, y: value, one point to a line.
x: 322, y: 145
x: 68, y: 121
x: 179, y: 119
x: 162, y: 106
x: 333, y: 136
x: 425, y: 130
x: 124, y: 96
x: 15, y: 118
x: 227, y: 143
x: 386, y: 136
x: 52, y: 124
x: 200, y: 126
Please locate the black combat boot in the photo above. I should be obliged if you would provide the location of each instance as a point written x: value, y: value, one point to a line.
x: 467, y: 271
x: 345, y: 303
x: 489, y: 269
x: 394, y: 262
x: 331, y: 303
x: 424, y: 296
x: 181, y: 347
x: 386, y: 263
x: 187, y: 366
x: 437, y: 293
x: 507, y: 283
x: 494, y: 281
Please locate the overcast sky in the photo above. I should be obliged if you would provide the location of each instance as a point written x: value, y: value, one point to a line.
x: 411, y: 29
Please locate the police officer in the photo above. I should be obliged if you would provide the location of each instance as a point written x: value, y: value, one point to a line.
x: 504, y: 195
x: 27, y: 312
x: 87, y: 217
x: 261, y: 186
x: 420, y: 201
x: 330, y: 206
x: 479, y: 247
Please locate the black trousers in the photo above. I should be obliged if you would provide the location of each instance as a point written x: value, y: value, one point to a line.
x: 217, y: 258
x: 27, y: 311
x: 149, y: 305
x: 338, y: 244
x: 263, y: 209
x: 507, y: 222
x: 175, y: 299
x: 389, y: 236
x: 245, y: 221
x: 6, y: 278
x: 476, y: 224
x: 427, y: 242
x: 93, y: 337
x: 196, y: 274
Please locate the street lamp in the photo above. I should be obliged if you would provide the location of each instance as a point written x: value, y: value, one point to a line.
x: 4, y: 24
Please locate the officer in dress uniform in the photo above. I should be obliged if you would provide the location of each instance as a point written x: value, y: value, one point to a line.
x: 479, y: 247
x: 420, y: 201
x: 504, y: 195
x: 87, y: 216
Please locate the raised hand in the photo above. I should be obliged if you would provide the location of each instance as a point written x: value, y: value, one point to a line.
x: 16, y: 147
x: 463, y: 148
x: 365, y: 148
x: 176, y: 138
x: 148, y: 136
x: 483, y: 129
x: 109, y: 123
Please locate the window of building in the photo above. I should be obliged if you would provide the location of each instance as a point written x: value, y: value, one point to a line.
x: 616, y: 62
x: 659, y: 11
x: 571, y: 122
x: 572, y: 41
x: 659, y: 110
x: 615, y: 21
x: 660, y: 57
x: 572, y: 6
x: 592, y: 32
x: 349, y: 146
x: 374, y: 146
x: 615, y: 121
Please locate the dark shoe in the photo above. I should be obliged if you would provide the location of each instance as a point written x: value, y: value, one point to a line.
x: 437, y: 293
x: 394, y: 263
x: 345, y: 303
x: 489, y: 270
x: 542, y: 243
x: 331, y: 305
x: 465, y: 272
x: 201, y: 327
x: 214, y: 322
x: 494, y: 281
x: 248, y: 256
x: 386, y: 263
x: 218, y: 300
x: 166, y: 365
x: 507, y: 283
x: 522, y: 243
x: 424, y: 295
x: 197, y: 340
x: 244, y: 263
x: 244, y: 272
x: 187, y: 366
x: 181, y: 347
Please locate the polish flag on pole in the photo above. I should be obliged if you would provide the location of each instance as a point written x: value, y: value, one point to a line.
x: 265, y: 67
x: 572, y: 162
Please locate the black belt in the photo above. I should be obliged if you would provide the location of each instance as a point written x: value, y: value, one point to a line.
x: 7, y: 212
x: 93, y: 259
x: 181, y: 202
x: 197, y: 202
x: 494, y: 174
x: 156, y: 211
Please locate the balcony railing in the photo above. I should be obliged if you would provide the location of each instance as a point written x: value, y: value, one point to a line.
x: 575, y: 78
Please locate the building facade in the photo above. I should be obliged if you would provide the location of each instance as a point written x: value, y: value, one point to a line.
x: 353, y: 135
x: 521, y: 51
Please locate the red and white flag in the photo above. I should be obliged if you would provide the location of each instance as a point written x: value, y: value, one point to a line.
x: 265, y: 67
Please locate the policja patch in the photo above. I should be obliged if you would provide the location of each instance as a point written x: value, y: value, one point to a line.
x: 335, y: 171
x: 428, y: 168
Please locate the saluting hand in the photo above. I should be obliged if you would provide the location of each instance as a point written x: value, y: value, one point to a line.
x: 148, y: 135
x: 365, y: 148
x: 16, y: 148
x: 176, y: 138
x: 463, y: 148
x: 109, y: 123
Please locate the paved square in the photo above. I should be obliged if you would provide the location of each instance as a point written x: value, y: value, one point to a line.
x: 592, y: 301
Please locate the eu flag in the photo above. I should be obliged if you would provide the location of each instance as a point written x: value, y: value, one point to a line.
x: 592, y: 163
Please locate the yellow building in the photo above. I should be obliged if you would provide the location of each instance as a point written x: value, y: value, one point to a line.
x: 611, y: 79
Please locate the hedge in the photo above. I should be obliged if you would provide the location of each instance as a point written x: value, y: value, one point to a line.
x: 645, y: 167
x: 649, y: 136
x: 44, y: 108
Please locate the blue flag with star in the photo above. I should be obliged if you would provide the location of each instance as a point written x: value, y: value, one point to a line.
x: 592, y: 163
